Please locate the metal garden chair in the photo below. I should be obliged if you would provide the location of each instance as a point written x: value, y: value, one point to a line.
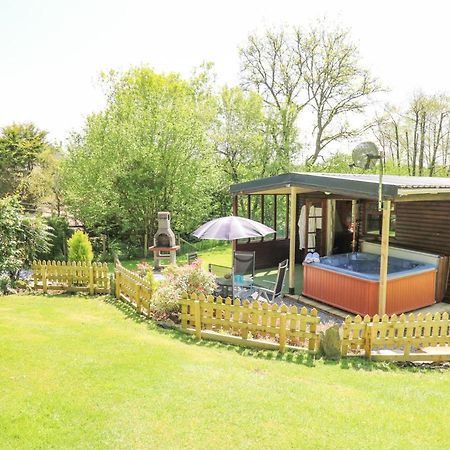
x: 192, y: 257
x: 270, y: 294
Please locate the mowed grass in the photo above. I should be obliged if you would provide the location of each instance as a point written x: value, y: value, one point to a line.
x: 87, y: 373
x: 220, y: 255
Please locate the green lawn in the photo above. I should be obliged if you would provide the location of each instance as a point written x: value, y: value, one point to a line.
x: 217, y: 255
x: 87, y: 373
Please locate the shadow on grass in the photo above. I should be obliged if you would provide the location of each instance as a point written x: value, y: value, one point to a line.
x: 300, y: 356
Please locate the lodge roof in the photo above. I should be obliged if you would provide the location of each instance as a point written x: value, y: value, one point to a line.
x: 353, y: 185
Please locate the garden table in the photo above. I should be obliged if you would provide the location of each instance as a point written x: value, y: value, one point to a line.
x: 227, y: 284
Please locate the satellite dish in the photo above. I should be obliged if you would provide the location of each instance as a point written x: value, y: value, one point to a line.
x: 365, y: 155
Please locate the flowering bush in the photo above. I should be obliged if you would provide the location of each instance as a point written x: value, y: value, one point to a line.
x: 145, y: 270
x: 191, y: 278
x: 165, y: 300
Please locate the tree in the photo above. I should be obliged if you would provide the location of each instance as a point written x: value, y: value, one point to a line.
x: 43, y: 185
x: 337, y: 84
x: 22, y: 237
x: 270, y: 65
x: 316, y: 70
x: 147, y: 151
x: 240, y: 139
x: 20, y: 147
x: 416, y: 138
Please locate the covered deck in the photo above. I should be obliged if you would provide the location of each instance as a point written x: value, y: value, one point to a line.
x: 338, y: 213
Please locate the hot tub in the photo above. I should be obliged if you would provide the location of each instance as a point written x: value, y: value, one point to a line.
x: 350, y: 282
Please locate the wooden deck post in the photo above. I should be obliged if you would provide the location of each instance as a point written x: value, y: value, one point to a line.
x: 292, y: 243
x: 235, y: 213
x: 354, y: 226
x: 384, y: 257
x: 117, y: 285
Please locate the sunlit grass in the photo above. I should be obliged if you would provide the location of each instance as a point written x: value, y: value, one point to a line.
x: 220, y: 255
x: 88, y: 373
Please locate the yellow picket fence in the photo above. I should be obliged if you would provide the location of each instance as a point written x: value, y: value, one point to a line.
x: 399, y: 338
x: 249, y: 323
x: 133, y: 289
x: 71, y: 276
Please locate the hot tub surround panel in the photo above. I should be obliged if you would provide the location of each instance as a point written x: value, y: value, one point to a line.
x: 351, y: 282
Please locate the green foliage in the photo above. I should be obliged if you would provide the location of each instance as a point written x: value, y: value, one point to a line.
x: 192, y: 278
x: 240, y: 139
x: 146, y: 271
x: 42, y: 187
x: 20, y: 147
x: 147, y: 151
x: 60, y: 233
x: 79, y: 247
x: 5, y: 284
x: 22, y: 237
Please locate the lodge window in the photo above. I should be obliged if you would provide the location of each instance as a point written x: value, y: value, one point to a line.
x: 374, y: 219
x: 272, y: 210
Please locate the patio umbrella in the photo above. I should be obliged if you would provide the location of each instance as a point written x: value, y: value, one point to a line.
x: 230, y: 228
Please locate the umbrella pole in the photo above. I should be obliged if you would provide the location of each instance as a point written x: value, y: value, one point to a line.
x: 292, y: 234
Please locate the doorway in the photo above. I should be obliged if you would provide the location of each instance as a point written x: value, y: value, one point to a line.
x: 343, y: 227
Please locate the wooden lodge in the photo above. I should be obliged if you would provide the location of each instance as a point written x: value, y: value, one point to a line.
x: 338, y: 213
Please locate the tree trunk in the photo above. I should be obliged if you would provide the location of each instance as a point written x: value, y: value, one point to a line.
x: 415, y: 143
x: 317, y: 146
x: 436, y: 142
x: 397, y: 144
x: 146, y: 243
x: 408, y: 154
x: 422, y: 141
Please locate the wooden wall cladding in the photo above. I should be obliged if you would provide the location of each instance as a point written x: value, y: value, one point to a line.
x: 268, y: 253
x: 424, y: 226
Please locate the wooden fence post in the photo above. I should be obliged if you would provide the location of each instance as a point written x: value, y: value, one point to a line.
x: 91, y: 279
x: 312, y: 344
x: 138, y: 298
x: 369, y: 329
x: 117, y: 286
x: 283, y: 328
x: 197, y: 318
x: 409, y: 333
x: 44, y: 278
x: 184, y: 309
x: 34, y: 267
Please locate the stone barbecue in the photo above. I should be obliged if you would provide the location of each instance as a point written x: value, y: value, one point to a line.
x: 164, y: 243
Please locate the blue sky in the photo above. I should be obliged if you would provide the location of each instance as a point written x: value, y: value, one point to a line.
x: 52, y: 51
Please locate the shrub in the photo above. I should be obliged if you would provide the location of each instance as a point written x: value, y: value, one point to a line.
x: 22, y: 237
x: 189, y: 278
x: 60, y: 233
x: 146, y: 271
x: 165, y: 300
x: 79, y: 247
x: 5, y: 284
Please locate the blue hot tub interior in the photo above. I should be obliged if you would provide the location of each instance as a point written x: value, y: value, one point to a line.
x: 367, y: 265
